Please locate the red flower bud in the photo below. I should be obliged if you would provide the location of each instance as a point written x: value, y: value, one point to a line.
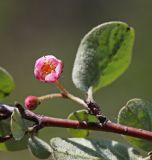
x: 31, y: 102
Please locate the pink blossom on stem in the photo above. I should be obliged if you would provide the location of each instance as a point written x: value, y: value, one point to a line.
x: 48, y: 68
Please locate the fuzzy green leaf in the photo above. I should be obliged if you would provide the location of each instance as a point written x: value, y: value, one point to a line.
x: 39, y: 148
x: 11, y: 145
x: 81, y: 115
x: 17, y: 125
x: 137, y: 113
x: 103, y: 55
x: 6, y: 83
x: 91, y: 149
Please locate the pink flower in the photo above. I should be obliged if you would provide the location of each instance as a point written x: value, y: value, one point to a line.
x: 48, y: 68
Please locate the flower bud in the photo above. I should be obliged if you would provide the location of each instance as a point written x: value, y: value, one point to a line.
x: 31, y: 102
x: 48, y: 68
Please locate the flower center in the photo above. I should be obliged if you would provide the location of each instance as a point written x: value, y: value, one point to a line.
x: 47, y: 68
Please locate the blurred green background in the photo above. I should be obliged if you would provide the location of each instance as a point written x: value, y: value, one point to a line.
x: 33, y: 28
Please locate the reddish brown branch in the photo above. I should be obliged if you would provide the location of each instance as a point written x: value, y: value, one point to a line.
x: 108, y: 127
x: 44, y: 121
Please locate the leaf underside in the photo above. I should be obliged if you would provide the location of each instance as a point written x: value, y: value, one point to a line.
x: 17, y: 125
x: 91, y: 149
x: 137, y: 113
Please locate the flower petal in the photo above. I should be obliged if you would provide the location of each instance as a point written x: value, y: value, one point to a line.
x: 50, y: 57
x: 52, y: 77
x: 39, y: 62
x: 58, y: 69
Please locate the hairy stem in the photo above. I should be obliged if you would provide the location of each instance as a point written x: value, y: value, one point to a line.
x: 70, y: 96
x: 60, y: 95
x: 50, y: 96
x: 89, y: 104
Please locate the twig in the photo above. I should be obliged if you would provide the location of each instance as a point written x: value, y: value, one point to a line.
x: 5, y: 138
x: 108, y: 127
x: 44, y: 121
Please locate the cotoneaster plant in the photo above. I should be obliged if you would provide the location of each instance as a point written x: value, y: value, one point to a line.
x: 103, y: 55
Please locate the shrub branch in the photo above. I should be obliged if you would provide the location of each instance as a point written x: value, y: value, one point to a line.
x: 42, y: 121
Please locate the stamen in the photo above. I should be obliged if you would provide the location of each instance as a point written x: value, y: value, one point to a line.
x: 47, y: 68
